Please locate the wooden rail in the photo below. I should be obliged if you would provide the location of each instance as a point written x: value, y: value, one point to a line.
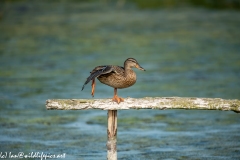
x: 146, y: 103
x: 139, y: 103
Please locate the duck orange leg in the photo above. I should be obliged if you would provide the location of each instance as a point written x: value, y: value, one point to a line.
x: 116, y: 98
x: 93, y: 87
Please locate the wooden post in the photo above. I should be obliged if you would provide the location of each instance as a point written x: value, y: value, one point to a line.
x: 189, y: 103
x: 112, y: 135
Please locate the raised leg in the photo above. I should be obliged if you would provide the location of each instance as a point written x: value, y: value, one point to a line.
x: 116, y: 98
x: 93, y: 87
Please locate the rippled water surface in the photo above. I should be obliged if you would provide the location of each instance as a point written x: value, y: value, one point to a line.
x: 47, y: 50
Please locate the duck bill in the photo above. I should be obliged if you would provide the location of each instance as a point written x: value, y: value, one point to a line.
x: 140, y: 68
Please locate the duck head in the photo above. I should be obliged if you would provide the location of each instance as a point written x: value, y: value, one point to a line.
x: 132, y: 63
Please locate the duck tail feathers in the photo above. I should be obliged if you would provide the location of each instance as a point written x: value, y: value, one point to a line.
x: 96, y: 72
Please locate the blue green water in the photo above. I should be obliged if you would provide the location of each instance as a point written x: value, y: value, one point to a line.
x: 47, y: 50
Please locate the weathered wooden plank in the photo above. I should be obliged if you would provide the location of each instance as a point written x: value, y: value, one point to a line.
x: 146, y: 103
x: 112, y: 135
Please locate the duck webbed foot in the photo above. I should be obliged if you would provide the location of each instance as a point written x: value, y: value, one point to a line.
x: 116, y: 98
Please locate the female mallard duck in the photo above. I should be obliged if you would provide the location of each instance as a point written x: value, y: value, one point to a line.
x: 115, y: 76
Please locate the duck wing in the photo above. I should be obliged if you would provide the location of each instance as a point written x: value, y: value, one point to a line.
x: 98, y: 71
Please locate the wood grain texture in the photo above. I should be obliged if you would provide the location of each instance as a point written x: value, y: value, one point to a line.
x: 112, y: 135
x: 146, y: 103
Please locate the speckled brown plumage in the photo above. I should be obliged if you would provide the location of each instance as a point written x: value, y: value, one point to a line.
x: 115, y: 76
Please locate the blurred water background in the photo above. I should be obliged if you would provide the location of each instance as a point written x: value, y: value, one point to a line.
x: 189, y: 49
